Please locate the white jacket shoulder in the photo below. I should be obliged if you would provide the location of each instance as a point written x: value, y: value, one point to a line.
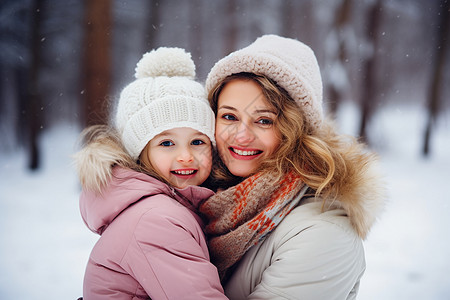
x: 310, y: 255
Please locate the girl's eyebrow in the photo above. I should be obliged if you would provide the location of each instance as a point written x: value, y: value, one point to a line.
x: 163, y: 136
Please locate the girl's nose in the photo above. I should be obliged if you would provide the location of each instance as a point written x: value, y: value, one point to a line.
x: 185, y: 155
x: 244, y: 135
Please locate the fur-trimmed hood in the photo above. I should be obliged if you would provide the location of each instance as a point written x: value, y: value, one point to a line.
x: 108, y: 189
x: 362, y: 195
x: 126, y: 188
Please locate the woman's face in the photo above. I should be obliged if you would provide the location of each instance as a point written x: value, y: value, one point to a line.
x: 245, y: 131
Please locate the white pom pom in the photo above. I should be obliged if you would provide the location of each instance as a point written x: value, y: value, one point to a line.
x: 165, y: 61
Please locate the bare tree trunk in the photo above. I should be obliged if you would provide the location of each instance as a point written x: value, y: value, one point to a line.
x: 231, y: 30
x: 340, y: 23
x: 288, y: 19
x: 33, y: 101
x: 195, y: 41
x: 438, y: 73
x: 369, y: 89
x: 97, y: 62
x: 154, y: 22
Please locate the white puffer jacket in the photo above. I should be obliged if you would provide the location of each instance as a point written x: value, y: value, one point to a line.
x: 313, y: 254
x: 303, y: 246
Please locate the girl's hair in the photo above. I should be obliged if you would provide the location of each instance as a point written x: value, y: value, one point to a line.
x: 147, y: 168
x: 324, y: 159
x: 109, y: 138
x: 113, y: 148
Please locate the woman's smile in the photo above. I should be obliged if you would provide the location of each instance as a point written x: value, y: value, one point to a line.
x: 244, y: 154
x: 245, y: 131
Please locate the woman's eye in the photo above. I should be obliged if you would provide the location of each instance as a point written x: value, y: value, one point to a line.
x: 228, y: 117
x: 264, y: 121
x: 167, y: 143
x: 197, y: 142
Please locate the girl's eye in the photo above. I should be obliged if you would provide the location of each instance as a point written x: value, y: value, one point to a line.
x: 197, y: 142
x: 167, y: 143
x: 229, y: 117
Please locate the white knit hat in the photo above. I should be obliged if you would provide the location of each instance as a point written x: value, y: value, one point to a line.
x: 289, y: 62
x: 164, y: 96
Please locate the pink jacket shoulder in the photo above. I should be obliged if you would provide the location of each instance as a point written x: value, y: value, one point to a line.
x: 151, y: 243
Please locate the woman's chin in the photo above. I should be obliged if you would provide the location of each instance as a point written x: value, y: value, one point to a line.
x: 241, y: 171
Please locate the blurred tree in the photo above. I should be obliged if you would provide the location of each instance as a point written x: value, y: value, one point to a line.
x: 97, y: 63
x: 154, y: 20
x: 289, y: 11
x: 433, y: 104
x: 231, y: 27
x: 196, y: 31
x: 33, y: 104
x: 14, y: 62
x: 369, y: 91
x: 338, y: 84
x: 41, y: 78
x: 341, y: 24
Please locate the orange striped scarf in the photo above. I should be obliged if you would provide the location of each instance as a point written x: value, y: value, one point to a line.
x: 243, y: 215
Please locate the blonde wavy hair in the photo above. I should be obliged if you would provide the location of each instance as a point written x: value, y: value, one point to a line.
x: 107, y: 139
x: 102, y: 149
x: 325, y: 160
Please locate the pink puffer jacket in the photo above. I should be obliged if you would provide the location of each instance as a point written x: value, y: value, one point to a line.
x: 151, y: 244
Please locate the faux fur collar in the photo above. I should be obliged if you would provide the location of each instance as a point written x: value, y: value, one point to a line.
x: 362, y: 195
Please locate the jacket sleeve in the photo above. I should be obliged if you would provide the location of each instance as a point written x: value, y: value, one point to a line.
x: 167, y: 259
x: 322, y: 261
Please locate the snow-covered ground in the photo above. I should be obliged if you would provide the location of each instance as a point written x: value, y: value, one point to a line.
x: 44, y: 244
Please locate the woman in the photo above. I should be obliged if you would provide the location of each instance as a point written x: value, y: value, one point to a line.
x: 300, y: 197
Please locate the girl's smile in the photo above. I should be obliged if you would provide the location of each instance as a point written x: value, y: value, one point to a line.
x: 183, y: 172
x: 182, y: 156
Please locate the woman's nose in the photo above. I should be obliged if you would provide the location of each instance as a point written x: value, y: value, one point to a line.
x: 244, y: 135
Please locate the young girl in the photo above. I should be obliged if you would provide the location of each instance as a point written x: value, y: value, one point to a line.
x: 304, y: 196
x: 140, y: 187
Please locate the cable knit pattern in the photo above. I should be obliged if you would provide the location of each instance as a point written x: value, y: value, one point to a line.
x: 289, y: 62
x: 163, y: 97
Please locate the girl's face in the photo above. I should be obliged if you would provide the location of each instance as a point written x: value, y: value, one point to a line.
x: 245, y: 131
x: 183, y: 156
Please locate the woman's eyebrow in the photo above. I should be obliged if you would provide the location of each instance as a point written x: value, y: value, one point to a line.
x: 227, y: 107
x: 258, y: 111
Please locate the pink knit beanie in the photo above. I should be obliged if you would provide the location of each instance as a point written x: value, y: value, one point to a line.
x: 289, y: 62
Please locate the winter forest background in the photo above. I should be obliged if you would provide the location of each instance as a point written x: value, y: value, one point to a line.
x: 386, y: 72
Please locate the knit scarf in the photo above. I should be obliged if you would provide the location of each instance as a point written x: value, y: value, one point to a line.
x: 242, y: 216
